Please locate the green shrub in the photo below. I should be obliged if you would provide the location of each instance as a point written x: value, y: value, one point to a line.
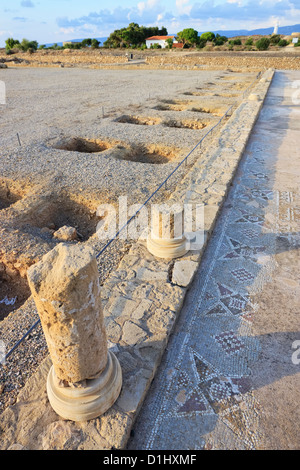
x: 297, y: 44
x: 25, y: 45
x: 10, y: 43
x: 249, y: 42
x: 235, y: 42
x: 262, y: 44
x: 282, y: 43
x: 201, y: 43
x: 275, y: 38
x: 218, y: 42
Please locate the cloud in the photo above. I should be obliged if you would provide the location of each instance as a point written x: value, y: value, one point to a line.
x: 27, y: 4
x: 183, y: 7
x: 243, y: 11
x: 119, y: 15
x: 145, y: 12
x: 20, y: 18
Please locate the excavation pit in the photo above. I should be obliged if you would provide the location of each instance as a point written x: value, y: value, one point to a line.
x: 14, y: 291
x: 208, y: 110
x: 138, y: 120
x: 82, y: 145
x: 151, y: 154
x: 50, y: 215
x: 9, y: 194
x: 186, y: 124
x: 172, y: 105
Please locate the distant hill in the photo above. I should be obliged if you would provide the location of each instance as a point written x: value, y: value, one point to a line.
x: 102, y: 40
x: 285, y: 30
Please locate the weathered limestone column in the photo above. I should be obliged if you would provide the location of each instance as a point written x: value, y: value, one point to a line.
x: 167, y: 239
x: 85, y: 379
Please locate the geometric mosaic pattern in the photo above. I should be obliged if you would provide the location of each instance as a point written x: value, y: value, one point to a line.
x: 229, y: 342
x: 242, y: 275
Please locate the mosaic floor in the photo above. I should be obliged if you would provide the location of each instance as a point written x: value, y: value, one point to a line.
x: 202, y: 397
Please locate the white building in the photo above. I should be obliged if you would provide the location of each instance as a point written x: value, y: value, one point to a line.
x: 160, y: 40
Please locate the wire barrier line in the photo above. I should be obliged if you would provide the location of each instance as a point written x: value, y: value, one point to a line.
x: 142, y: 206
x: 22, y: 339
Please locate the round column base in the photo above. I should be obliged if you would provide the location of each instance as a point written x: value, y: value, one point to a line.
x: 91, y: 401
x: 168, y: 248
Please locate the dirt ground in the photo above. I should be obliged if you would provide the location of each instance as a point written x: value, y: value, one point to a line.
x: 282, y: 59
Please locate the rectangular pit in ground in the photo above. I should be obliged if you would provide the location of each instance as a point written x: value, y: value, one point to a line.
x: 10, y: 192
x: 154, y: 154
x: 83, y: 145
x: 196, y: 124
x: 138, y: 120
x: 44, y: 215
x: 172, y: 105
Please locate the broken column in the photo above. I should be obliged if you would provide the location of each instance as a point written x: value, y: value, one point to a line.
x: 167, y: 239
x: 85, y: 378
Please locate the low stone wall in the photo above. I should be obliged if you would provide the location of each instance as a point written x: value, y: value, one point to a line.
x: 66, y: 57
x: 142, y: 300
x: 183, y: 59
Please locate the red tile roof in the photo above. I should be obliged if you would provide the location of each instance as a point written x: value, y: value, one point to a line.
x: 159, y: 37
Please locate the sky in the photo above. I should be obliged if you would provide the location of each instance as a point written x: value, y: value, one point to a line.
x: 48, y: 21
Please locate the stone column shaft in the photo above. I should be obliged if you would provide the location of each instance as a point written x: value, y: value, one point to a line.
x: 66, y: 291
x: 85, y: 378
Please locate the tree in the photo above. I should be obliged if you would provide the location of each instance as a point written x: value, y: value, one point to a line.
x: 208, y: 37
x: 95, y: 44
x: 10, y: 43
x: 25, y: 45
x: 169, y: 42
x: 86, y: 42
x: 188, y: 36
x: 133, y: 36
